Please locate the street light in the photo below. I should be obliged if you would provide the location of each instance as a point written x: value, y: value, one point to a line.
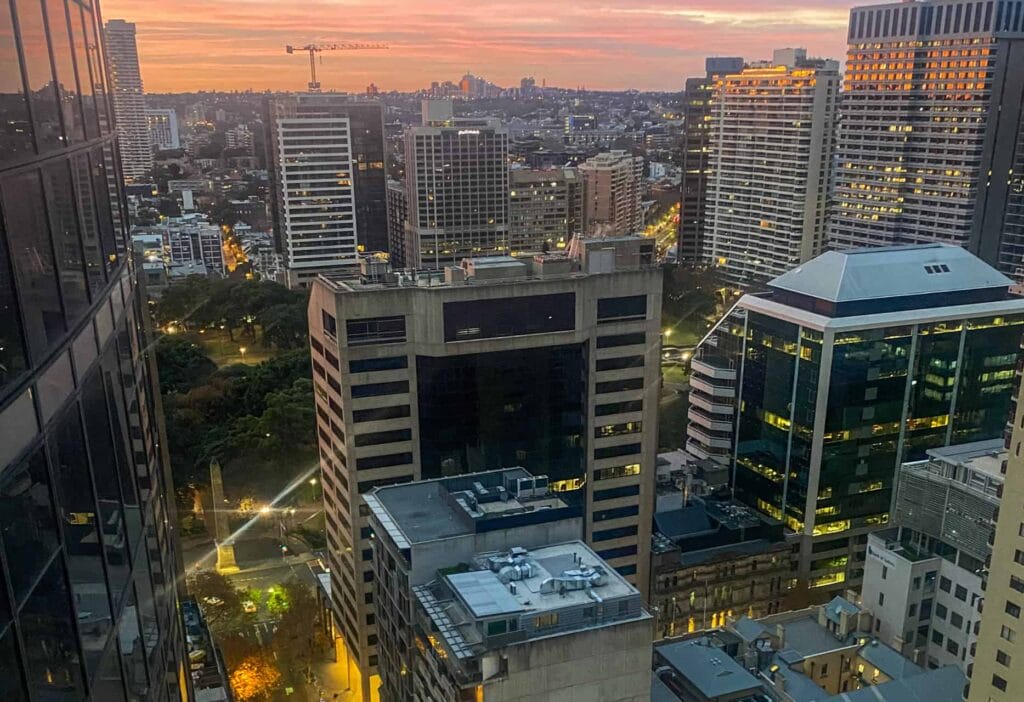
x: 242, y: 350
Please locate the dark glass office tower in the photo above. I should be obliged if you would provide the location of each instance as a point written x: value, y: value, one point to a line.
x: 88, y: 600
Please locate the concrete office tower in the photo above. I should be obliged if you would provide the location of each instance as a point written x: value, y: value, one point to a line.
x: 930, y: 145
x: 90, y: 595
x: 129, y: 101
x: 328, y: 180
x: 545, y: 209
x: 850, y: 365
x: 551, y: 363
x: 611, y: 194
x: 696, y: 128
x: 770, y: 150
x: 397, y: 213
x: 456, y: 182
x: 163, y: 129
x: 923, y: 576
x: 998, y: 675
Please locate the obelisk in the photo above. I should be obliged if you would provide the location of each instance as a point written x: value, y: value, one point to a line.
x: 221, y: 532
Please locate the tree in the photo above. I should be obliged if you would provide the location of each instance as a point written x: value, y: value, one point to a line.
x: 255, y: 677
x: 182, y: 363
x: 299, y: 638
x: 285, y: 326
x: 218, y: 598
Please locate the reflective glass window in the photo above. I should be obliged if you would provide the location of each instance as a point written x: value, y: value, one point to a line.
x: 82, y: 542
x: 115, y: 397
x: 147, y: 604
x: 85, y: 87
x: 113, y: 531
x: 133, y: 653
x: 41, y: 92
x: 67, y: 240
x: 108, y: 684
x: 92, y: 249
x: 27, y: 522
x: 51, y: 653
x: 12, y: 687
x: 28, y: 243
x: 15, y: 128
x: 67, y: 80
x: 12, y: 343
x: 105, y: 197
x: 96, y: 70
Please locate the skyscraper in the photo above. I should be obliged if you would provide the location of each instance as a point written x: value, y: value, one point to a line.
x: 550, y: 363
x: 997, y: 675
x: 456, y: 183
x: 770, y: 155
x: 88, y: 599
x: 611, y: 194
x: 930, y: 145
x: 851, y: 364
x: 129, y: 100
x: 545, y: 208
x: 328, y: 179
x: 163, y: 129
x: 696, y: 124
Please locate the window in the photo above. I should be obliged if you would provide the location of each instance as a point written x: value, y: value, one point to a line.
x: 377, y: 389
x: 956, y: 620
x: 1018, y: 556
x: 926, y: 610
x: 546, y: 621
x: 41, y: 83
x: 917, y: 583
x: 941, y: 611
x: 51, y: 650
x: 625, y: 571
x: 618, y: 533
x: 619, y: 408
x: 497, y: 628
x: 945, y: 584
x: 367, y: 365
x: 14, y: 142
x: 952, y: 646
x: 614, y: 451
x: 330, y: 324
x: 375, y: 330
x: 380, y: 413
x: 489, y: 319
x: 937, y: 637
x: 881, y: 599
x: 616, y: 513
x: 27, y: 521
x: 1016, y: 583
x: 617, y: 472
x: 1008, y: 634
x: 998, y: 683
x: 607, y: 430
x: 885, y: 572
x: 912, y: 610
x: 616, y: 340
x: 619, y: 552
x: 66, y: 237
x: 823, y: 673
x: 1003, y: 658
x: 383, y: 437
x: 960, y: 593
x: 619, y: 385
x: 390, y: 459
x: 612, y: 493
x: 620, y: 309
x: 619, y: 363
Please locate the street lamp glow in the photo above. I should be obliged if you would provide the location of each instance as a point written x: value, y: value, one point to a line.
x: 265, y: 509
x: 312, y: 481
x: 668, y: 332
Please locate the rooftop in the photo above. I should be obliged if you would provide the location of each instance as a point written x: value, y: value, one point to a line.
x: 889, y: 272
x: 708, y: 668
x: 980, y: 456
x: 430, y: 510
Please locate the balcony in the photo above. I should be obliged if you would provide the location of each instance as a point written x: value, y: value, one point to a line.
x: 704, y: 386
x: 710, y: 371
x: 711, y: 404
x: 720, y: 456
x: 706, y: 438
x: 710, y: 421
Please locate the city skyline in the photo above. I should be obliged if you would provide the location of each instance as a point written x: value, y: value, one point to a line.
x: 239, y: 45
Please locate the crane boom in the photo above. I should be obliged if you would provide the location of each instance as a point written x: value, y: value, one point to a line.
x: 314, y: 49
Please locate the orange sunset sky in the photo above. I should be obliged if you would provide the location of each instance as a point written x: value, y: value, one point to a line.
x: 612, y: 44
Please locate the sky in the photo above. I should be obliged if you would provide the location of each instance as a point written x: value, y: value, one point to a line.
x: 189, y: 45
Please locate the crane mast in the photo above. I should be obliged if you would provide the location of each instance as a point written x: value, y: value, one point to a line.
x: 314, y: 49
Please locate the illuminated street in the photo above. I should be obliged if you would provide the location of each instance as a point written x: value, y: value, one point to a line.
x: 665, y: 230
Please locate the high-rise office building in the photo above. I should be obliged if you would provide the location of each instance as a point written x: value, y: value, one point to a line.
x: 163, y: 129
x: 612, y: 184
x: 397, y: 212
x: 997, y: 675
x: 129, y: 100
x: 550, y: 363
x: 88, y: 601
x: 850, y: 365
x: 694, y: 166
x: 545, y: 209
x: 328, y: 180
x: 456, y: 184
x: 930, y: 145
x: 770, y: 153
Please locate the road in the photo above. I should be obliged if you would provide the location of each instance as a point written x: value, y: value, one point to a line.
x: 665, y: 231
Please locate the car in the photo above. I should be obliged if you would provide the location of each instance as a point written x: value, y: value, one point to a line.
x: 213, y: 600
x: 249, y: 607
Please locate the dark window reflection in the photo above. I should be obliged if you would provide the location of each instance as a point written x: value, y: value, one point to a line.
x: 67, y: 242
x: 97, y: 70
x: 118, y: 425
x: 77, y: 510
x: 51, y: 653
x: 28, y: 241
x: 15, y: 129
x: 103, y: 188
x: 108, y: 492
x: 147, y: 606
x: 12, y: 687
x: 108, y: 683
x: 78, y: 42
x: 92, y: 249
x: 41, y: 89
x: 12, y: 343
x: 133, y: 652
x: 27, y: 521
x: 67, y: 82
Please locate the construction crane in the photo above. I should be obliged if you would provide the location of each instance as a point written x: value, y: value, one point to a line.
x: 314, y: 49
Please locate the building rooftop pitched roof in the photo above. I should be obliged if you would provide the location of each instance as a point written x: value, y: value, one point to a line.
x: 888, y: 272
x: 710, y: 669
x: 944, y: 684
x: 839, y: 605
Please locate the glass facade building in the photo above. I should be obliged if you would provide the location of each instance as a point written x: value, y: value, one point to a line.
x: 88, y: 601
x: 849, y: 366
